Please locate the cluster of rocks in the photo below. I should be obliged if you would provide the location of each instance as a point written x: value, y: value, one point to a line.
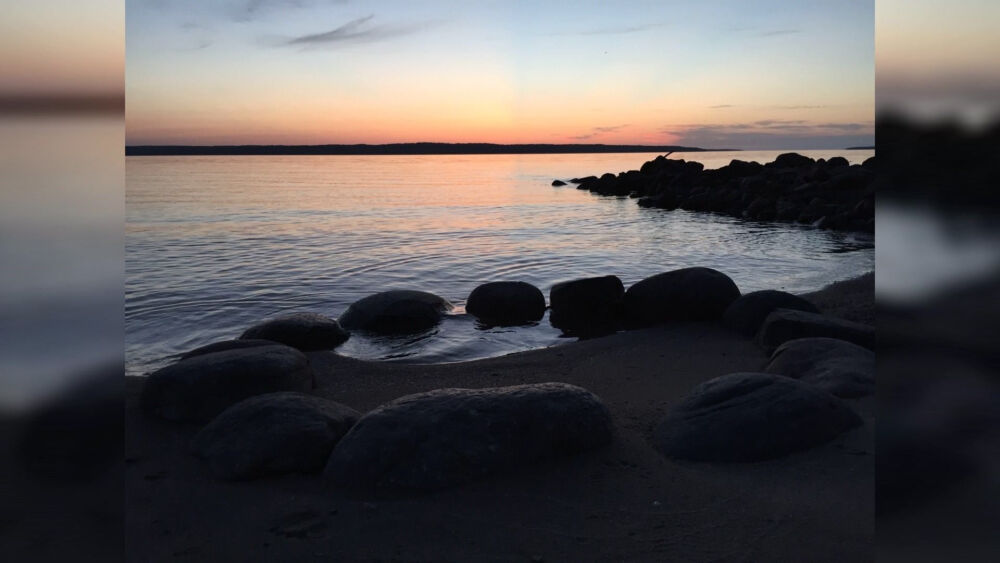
x: 829, y: 194
x: 254, y: 396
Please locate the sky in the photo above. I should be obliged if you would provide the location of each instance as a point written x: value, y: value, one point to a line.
x: 794, y: 74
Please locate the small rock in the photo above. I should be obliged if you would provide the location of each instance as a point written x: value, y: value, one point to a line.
x: 199, y: 388
x: 226, y: 345
x: 558, y: 183
x: 746, y: 314
x: 588, y: 306
x: 680, y: 295
x: 751, y: 417
x: 836, y: 366
x: 305, y: 331
x: 783, y: 325
x: 394, y: 312
x: 506, y: 303
x: 273, y: 434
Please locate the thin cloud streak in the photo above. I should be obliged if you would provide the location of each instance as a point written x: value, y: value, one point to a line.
x: 354, y: 31
x: 615, y: 30
x: 250, y: 10
x: 773, y: 133
x: 779, y: 32
x: 600, y: 130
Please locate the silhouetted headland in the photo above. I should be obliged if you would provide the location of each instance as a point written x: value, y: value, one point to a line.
x: 399, y: 149
x: 829, y: 194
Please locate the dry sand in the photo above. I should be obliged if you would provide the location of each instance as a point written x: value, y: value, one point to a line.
x: 625, y: 502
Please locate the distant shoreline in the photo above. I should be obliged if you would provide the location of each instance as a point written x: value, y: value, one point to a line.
x: 400, y: 149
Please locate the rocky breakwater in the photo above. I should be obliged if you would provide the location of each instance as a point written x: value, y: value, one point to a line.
x: 829, y: 194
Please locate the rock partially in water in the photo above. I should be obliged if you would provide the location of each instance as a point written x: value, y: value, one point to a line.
x: 587, y: 306
x: 558, y: 183
x: 448, y: 437
x: 687, y: 294
x: 273, y: 434
x: 751, y: 417
x: 224, y: 345
x: 199, y: 388
x: 835, y: 366
x: 783, y: 325
x: 506, y: 303
x: 746, y: 314
x: 305, y: 331
x: 399, y: 311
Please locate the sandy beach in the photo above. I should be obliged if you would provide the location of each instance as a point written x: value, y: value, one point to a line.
x: 624, y: 502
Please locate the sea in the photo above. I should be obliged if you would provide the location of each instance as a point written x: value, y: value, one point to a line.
x: 216, y: 244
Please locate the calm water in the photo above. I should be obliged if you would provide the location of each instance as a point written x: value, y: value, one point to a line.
x: 216, y: 244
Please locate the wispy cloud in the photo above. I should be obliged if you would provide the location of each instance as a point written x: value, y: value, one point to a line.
x: 777, y: 32
x: 773, y: 133
x: 721, y: 106
x: 600, y: 130
x: 249, y: 10
x: 798, y: 107
x: 618, y: 30
x: 360, y: 30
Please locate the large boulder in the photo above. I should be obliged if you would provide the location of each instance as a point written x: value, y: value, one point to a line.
x: 783, y: 325
x: 506, y: 303
x: 586, y: 306
x: 199, y: 388
x: 305, y: 331
x: 224, y: 345
x: 836, y: 366
x: 751, y: 417
x: 792, y: 160
x: 746, y: 314
x: 273, y: 434
x: 398, y: 311
x: 447, y: 437
x: 680, y: 295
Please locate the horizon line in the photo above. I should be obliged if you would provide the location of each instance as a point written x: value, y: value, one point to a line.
x: 421, y: 147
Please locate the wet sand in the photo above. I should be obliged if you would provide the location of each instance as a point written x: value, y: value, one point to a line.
x: 625, y: 502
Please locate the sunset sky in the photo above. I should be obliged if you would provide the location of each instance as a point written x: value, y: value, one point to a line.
x: 772, y: 74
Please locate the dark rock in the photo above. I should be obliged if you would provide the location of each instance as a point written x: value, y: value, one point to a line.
x: 751, y: 417
x: 226, y: 345
x: 506, y: 303
x: 305, y: 331
x: 394, y: 312
x: 680, y: 295
x: 783, y: 325
x: 786, y: 210
x: 837, y: 161
x: 740, y: 168
x: 661, y: 201
x: 583, y: 180
x: 854, y: 179
x: 746, y: 314
x: 199, y: 388
x: 273, y: 434
x: 792, y: 160
x: 558, y: 183
x: 869, y: 163
x: 448, y: 437
x: 835, y: 366
x: 587, y: 306
x: 759, y: 207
